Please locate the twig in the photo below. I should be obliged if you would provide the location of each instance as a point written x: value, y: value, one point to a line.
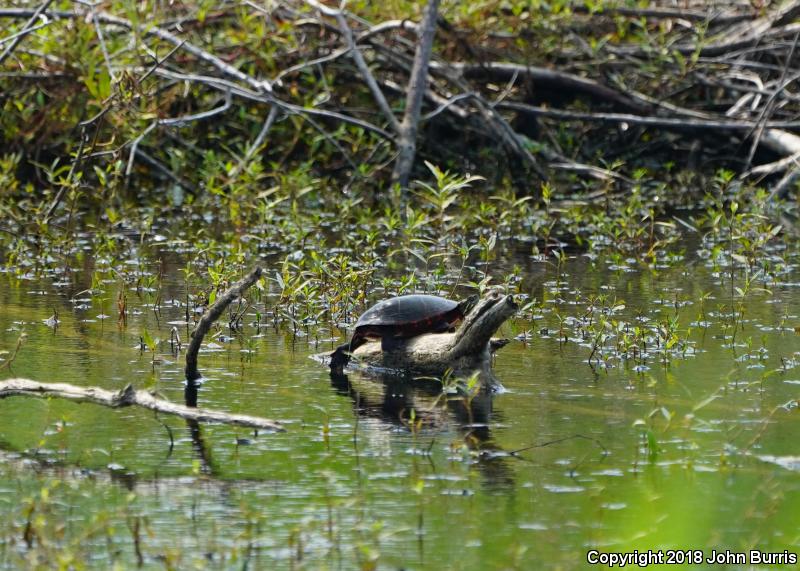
x: 386, y: 27
x: 256, y: 144
x: 135, y: 147
x: 558, y: 441
x: 184, y: 119
x: 782, y: 187
x: 128, y: 396
x: 774, y: 167
x: 674, y: 123
x: 61, y: 191
x: 766, y: 111
x: 358, y: 58
x: 501, y: 71
x: 160, y: 167
x: 10, y: 360
x: 334, y: 55
x: 239, y: 91
x: 172, y: 121
x: 26, y: 29
x: 103, y: 48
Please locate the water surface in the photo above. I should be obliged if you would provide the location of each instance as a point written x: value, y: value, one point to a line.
x: 692, y: 448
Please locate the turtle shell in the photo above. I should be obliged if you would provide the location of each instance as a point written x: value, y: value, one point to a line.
x: 410, y: 313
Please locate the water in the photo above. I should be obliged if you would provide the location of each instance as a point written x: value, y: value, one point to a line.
x: 693, y: 450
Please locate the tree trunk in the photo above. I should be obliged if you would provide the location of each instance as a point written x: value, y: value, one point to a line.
x: 417, y: 85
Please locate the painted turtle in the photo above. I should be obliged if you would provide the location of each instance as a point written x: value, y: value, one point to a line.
x: 400, y: 318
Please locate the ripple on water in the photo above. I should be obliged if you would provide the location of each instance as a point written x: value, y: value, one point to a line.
x: 563, y: 489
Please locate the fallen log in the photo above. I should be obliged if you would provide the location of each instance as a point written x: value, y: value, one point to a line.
x: 128, y: 396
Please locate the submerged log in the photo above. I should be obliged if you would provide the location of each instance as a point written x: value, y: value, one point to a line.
x: 466, y: 349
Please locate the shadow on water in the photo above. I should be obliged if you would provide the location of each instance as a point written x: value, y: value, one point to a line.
x: 421, y: 406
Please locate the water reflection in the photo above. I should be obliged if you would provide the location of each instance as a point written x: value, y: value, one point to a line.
x: 421, y: 406
x: 202, y: 451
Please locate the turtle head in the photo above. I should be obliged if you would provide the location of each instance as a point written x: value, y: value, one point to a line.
x: 466, y: 305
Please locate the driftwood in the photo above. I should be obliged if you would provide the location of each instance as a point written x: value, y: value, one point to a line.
x: 128, y: 396
x: 466, y: 350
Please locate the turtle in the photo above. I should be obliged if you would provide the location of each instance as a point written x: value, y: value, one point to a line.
x: 401, y: 318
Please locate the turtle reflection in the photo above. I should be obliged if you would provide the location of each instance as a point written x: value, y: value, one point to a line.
x: 405, y: 401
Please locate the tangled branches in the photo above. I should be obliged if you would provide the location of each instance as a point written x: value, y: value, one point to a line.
x: 193, y: 95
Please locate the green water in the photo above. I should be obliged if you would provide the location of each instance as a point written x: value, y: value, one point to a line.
x: 699, y: 452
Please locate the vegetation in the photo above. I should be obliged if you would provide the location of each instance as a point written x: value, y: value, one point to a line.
x: 625, y: 169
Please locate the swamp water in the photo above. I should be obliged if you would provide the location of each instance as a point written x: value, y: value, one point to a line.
x: 691, y: 442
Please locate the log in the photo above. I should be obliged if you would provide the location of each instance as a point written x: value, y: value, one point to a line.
x: 128, y: 396
x: 466, y: 350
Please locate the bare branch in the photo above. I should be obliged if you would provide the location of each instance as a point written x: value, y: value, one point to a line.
x: 130, y: 397
x: 26, y: 29
x: 417, y: 86
x: 256, y: 144
x: 211, y: 315
x: 358, y: 58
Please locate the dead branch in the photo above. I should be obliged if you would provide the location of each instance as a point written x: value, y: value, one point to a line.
x: 735, y: 81
x: 128, y: 396
x: 211, y: 315
x: 358, y: 58
x: 26, y: 29
x: 673, y: 123
x: 501, y: 71
x: 417, y: 85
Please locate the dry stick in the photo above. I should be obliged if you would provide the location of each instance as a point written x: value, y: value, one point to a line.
x: 769, y: 106
x: 741, y: 36
x: 175, y: 121
x: 226, y: 68
x: 262, y: 90
x: 27, y: 29
x: 102, y: 42
x: 495, y: 122
x: 239, y: 91
x: 663, y: 13
x: 211, y: 315
x: 781, y: 189
x: 502, y: 71
x: 388, y: 26
x: 310, y: 63
x: 358, y: 58
x: 110, y: 101
x: 259, y: 140
x: 417, y: 84
x: 61, y: 191
x: 128, y: 396
x: 673, y: 123
x: 162, y: 168
x: 774, y: 167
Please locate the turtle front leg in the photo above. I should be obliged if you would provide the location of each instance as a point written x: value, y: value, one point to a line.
x: 339, y: 358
